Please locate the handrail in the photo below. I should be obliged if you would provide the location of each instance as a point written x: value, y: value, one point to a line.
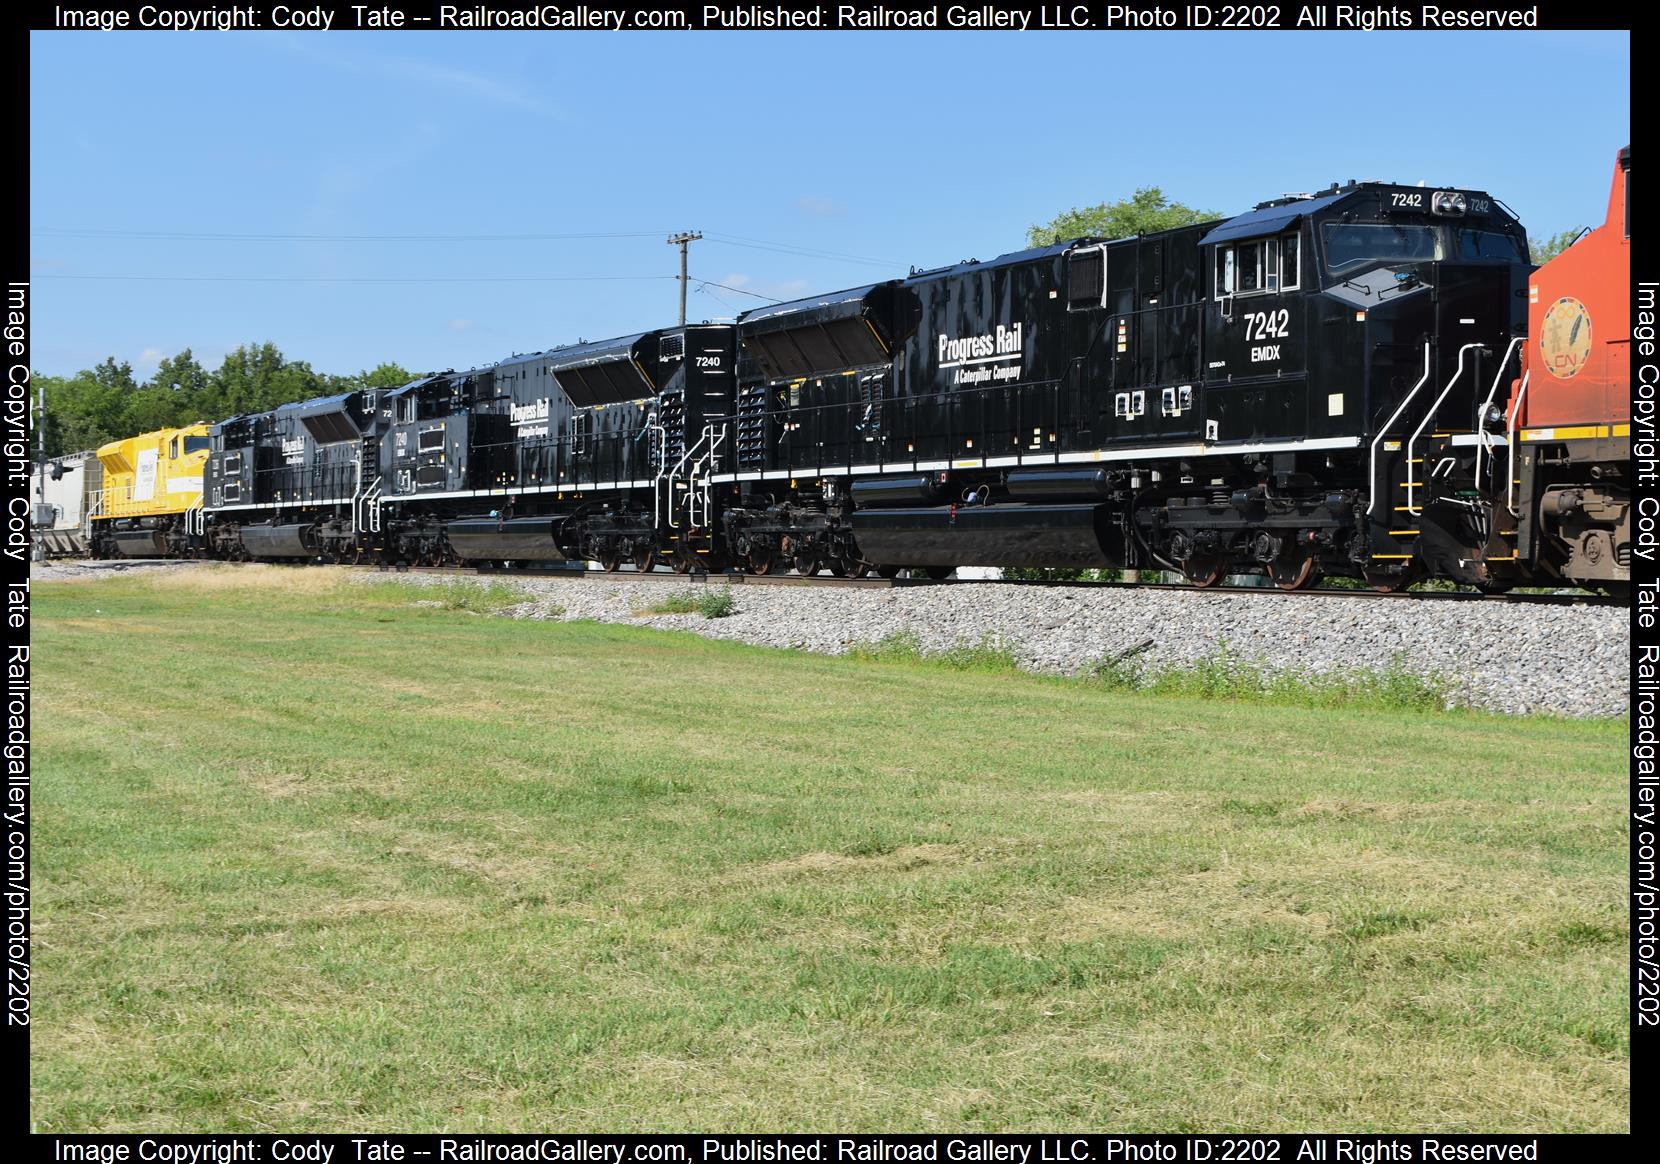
x: 1481, y: 412
x: 357, y: 493
x: 1510, y: 446
x: 684, y: 457
x: 1458, y: 374
x: 371, y: 505
x: 1372, y: 470
x: 697, y: 474
x: 653, y: 427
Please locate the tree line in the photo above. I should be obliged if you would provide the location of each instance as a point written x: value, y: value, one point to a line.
x: 108, y: 402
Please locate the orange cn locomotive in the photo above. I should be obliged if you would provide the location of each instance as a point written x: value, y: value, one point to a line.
x: 1569, y: 420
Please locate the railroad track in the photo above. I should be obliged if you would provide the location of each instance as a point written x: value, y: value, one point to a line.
x: 736, y: 578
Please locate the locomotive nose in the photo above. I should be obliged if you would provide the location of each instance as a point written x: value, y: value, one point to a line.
x: 1480, y: 302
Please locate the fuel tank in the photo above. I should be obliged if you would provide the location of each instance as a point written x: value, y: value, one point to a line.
x: 279, y: 541
x: 518, y: 539
x: 987, y: 535
x: 140, y: 543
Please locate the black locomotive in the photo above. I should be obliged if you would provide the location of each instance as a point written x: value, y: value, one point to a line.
x: 1303, y: 390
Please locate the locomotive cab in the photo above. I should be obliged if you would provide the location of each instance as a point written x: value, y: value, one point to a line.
x: 151, y: 495
x: 1363, y: 327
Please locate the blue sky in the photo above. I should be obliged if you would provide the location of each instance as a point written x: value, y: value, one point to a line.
x: 901, y: 148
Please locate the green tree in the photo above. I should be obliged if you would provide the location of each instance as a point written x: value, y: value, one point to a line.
x: 258, y: 377
x: 386, y: 375
x: 188, y: 383
x: 149, y: 408
x: 113, y: 376
x: 1543, y: 250
x: 105, y: 403
x: 82, y: 411
x: 1143, y: 212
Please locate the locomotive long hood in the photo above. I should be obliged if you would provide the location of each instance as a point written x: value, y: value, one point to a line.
x: 602, y: 372
x: 328, y: 420
x: 847, y: 329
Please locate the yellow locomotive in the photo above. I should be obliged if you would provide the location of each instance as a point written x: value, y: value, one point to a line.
x: 151, y: 501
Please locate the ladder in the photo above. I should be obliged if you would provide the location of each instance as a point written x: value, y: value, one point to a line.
x: 695, y: 465
x: 1426, y: 479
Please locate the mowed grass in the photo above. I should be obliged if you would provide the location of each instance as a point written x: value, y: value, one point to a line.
x: 310, y: 857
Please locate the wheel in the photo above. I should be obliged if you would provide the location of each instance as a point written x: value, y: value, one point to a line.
x: 610, y: 558
x: 760, y: 559
x: 806, y: 565
x: 1205, y: 572
x: 888, y: 571
x: 838, y: 567
x: 645, y: 557
x: 681, y: 563
x: 1292, y: 573
x: 938, y: 573
x: 1386, y: 582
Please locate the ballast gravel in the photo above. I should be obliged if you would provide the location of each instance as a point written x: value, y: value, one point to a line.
x: 1508, y: 657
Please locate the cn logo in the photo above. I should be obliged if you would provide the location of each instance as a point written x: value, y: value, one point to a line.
x: 1565, y: 338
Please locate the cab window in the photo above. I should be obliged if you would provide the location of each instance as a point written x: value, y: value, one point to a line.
x: 1489, y: 244
x: 1351, y: 246
x: 173, y: 449
x: 196, y: 444
x: 1258, y: 267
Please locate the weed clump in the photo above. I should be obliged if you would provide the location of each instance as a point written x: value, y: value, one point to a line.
x: 988, y: 654
x: 712, y: 602
x: 476, y: 597
x: 1223, y: 674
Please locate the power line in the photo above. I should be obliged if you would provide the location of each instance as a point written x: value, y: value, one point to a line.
x: 738, y: 240
x: 360, y: 279
x: 203, y: 236
x: 754, y: 294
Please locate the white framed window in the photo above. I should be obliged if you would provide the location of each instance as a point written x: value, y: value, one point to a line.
x: 1291, y: 264
x: 1259, y: 266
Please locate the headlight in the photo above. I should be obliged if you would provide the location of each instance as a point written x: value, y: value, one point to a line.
x: 1447, y: 202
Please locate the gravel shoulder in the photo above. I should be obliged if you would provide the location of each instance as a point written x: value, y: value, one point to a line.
x: 87, y: 570
x: 1565, y: 660
x: 1513, y: 658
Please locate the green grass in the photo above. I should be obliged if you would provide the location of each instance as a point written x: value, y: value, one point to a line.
x: 312, y: 858
x: 710, y: 602
x: 988, y: 655
x: 1223, y: 674
x: 459, y: 594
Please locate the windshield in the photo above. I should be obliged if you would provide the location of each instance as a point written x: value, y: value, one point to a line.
x: 1489, y: 244
x: 1350, y: 246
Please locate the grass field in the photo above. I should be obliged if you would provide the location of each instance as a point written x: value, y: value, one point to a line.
x: 309, y: 857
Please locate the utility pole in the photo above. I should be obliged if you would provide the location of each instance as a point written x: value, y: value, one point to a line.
x: 680, y: 240
x: 37, y: 543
